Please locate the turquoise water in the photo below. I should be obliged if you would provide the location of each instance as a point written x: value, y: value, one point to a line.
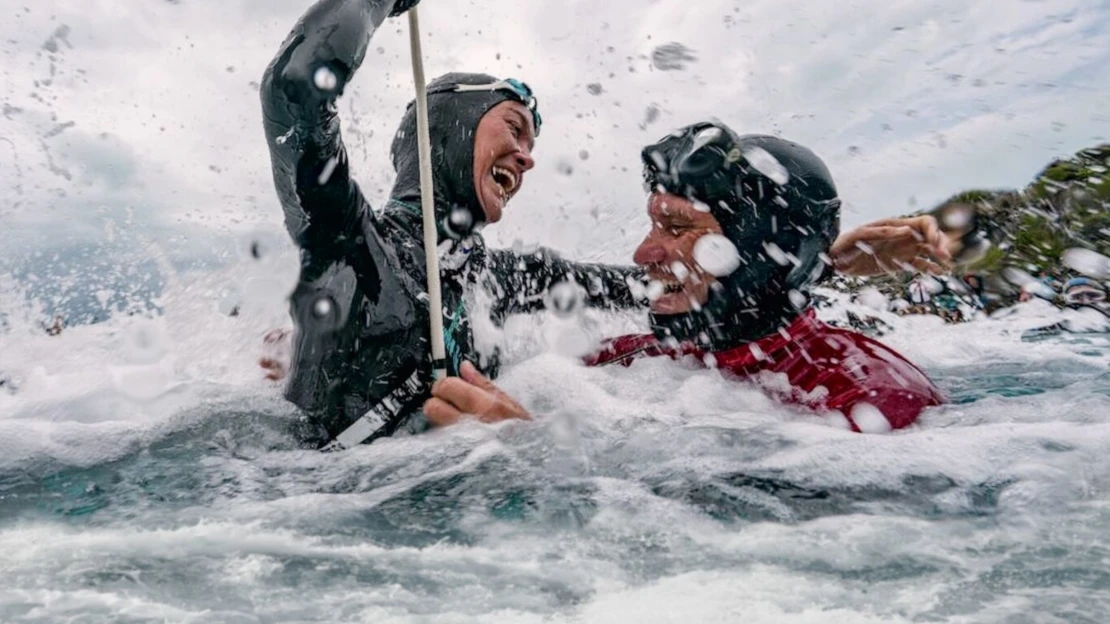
x: 651, y: 494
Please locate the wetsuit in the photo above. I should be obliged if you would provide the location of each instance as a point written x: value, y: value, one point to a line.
x: 844, y: 373
x: 360, y: 308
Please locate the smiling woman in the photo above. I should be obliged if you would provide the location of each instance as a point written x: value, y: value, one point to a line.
x: 360, y: 344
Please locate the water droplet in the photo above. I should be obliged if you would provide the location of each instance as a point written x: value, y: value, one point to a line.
x: 870, y: 419
x: 776, y: 253
x: 680, y: 271
x: 672, y: 56
x: 957, y: 217
x: 322, y: 307
x: 325, y: 79
x: 762, y: 161
x: 716, y: 254
x: 459, y: 222
x: 565, y: 299
x: 145, y: 342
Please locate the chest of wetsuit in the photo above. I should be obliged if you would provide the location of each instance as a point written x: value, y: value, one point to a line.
x: 809, y: 363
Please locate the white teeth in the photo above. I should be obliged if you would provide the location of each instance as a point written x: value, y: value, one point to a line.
x: 508, y: 175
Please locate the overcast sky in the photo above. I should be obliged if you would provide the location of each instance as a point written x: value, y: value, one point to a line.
x: 139, y: 119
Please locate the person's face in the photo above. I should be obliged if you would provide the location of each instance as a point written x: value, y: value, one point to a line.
x: 667, y: 253
x: 502, y: 153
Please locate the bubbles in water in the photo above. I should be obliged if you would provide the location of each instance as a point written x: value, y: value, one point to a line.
x: 1088, y: 262
x: 716, y: 254
x: 762, y: 161
x: 322, y: 307
x: 565, y: 299
x: 325, y: 79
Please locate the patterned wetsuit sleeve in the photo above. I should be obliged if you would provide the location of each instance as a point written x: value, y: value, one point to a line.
x: 299, y: 90
x: 522, y: 282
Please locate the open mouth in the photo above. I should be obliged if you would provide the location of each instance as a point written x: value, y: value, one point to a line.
x: 507, y: 181
x: 671, y: 287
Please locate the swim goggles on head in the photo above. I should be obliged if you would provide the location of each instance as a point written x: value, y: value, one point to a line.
x: 701, y: 161
x: 522, y: 92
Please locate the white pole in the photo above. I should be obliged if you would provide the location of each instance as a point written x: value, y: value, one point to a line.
x: 427, y: 199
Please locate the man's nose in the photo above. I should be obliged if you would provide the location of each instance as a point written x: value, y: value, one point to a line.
x: 649, y: 252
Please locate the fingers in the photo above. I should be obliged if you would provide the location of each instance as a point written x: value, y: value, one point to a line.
x: 464, y: 396
x: 470, y: 374
x: 440, y: 413
x: 935, y: 237
x: 473, y: 394
x: 894, y: 233
x: 275, y: 369
x: 925, y: 265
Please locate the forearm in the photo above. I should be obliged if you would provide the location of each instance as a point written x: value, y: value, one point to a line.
x: 298, y: 90
x: 526, y: 282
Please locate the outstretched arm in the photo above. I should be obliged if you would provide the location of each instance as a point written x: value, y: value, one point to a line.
x: 524, y: 282
x: 892, y: 246
x: 299, y: 90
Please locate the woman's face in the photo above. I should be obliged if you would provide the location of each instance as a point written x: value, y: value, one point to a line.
x: 503, y: 146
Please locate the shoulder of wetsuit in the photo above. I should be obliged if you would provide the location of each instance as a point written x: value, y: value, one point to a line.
x: 888, y: 371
